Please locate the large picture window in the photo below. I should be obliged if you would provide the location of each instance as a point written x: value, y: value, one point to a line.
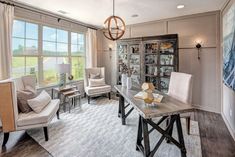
x: 25, y: 48
x: 38, y: 50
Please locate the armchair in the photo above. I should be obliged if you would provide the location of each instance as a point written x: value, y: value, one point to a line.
x: 12, y: 120
x: 93, y: 91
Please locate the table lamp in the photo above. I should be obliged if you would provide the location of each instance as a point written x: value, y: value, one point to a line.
x: 63, y: 69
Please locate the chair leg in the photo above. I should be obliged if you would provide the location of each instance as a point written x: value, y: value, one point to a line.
x: 58, y: 114
x: 88, y: 98
x: 5, y: 138
x: 188, y: 125
x: 45, y: 133
x: 109, y: 95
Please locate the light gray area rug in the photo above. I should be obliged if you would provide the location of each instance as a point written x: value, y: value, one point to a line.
x: 95, y: 131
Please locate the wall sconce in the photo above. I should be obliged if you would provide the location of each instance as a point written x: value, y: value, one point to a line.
x: 198, y: 46
x: 110, y: 51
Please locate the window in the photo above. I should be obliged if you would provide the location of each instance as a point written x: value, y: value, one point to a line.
x: 55, y: 51
x: 57, y: 46
x: 77, y: 55
x: 25, y: 48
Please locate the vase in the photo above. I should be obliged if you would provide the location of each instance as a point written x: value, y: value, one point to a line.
x: 124, y: 80
x: 129, y: 83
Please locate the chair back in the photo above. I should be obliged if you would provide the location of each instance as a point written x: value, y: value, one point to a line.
x: 8, y: 105
x: 88, y: 71
x: 180, y: 87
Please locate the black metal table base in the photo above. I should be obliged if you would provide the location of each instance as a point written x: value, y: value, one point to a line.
x: 143, y: 132
x: 143, y: 135
x: 121, y: 110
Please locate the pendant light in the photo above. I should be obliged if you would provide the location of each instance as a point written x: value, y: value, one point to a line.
x: 114, y: 26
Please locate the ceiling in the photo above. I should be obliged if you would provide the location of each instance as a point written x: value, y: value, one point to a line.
x: 94, y: 12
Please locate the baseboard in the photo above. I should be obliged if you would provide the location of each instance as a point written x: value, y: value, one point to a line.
x: 205, y: 109
x: 232, y: 132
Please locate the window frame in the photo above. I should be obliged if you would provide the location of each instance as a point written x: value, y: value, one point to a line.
x: 40, y: 54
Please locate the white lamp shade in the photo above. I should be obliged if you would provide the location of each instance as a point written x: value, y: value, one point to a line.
x: 63, y: 68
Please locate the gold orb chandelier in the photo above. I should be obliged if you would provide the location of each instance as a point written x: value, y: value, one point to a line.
x: 114, y: 27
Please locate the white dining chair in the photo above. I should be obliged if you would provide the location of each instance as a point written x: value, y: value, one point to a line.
x: 180, y: 88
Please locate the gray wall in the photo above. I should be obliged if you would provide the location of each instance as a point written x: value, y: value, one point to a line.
x: 228, y: 95
x: 206, y: 72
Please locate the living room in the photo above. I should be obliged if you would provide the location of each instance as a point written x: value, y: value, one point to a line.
x: 117, y: 78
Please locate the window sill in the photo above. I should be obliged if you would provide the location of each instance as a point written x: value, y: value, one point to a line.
x: 56, y: 85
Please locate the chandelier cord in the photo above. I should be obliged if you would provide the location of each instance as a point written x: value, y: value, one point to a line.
x: 113, y: 7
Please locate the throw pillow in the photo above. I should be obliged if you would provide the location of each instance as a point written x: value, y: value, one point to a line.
x: 95, y: 76
x: 96, y: 82
x: 40, y: 102
x: 22, y: 97
x: 30, y: 82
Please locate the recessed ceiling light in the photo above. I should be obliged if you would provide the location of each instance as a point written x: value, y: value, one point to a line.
x: 62, y: 12
x: 134, y: 15
x: 180, y: 6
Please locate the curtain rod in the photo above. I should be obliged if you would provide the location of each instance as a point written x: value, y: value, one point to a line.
x: 47, y: 14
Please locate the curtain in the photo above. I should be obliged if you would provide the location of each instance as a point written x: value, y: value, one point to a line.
x: 6, y: 24
x: 91, y: 53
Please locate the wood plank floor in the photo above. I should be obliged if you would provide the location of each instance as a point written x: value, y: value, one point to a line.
x: 215, y: 140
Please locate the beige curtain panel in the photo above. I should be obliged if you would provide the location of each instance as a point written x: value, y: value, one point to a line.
x: 91, y: 54
x: 6, y: 24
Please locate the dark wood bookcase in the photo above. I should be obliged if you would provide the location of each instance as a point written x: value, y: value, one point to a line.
x: 153, y: 59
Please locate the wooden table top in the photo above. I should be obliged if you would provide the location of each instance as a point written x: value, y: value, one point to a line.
x: 168, y: 106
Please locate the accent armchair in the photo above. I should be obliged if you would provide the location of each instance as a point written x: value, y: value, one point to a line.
x: 180, y: 88
x: 12, y: 120
x: 94, y: 91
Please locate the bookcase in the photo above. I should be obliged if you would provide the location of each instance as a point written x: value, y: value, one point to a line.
x: 152, y: 58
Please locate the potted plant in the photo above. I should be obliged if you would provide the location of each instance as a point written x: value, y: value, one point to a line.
x: 129, y: 81
x: 124, y: 71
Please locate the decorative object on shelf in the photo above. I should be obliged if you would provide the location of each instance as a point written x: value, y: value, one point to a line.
x: 171, y: 60
x: 198, y: 46
x: 63, y: 69
x: 114, y: 26
x: 166, y: 47
x: 155, y: 71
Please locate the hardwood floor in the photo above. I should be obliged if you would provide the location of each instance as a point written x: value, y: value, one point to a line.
x: 215, y: 140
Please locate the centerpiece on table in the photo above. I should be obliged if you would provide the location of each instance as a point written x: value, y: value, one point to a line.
x: 126, y: 75
x: 148, y: 96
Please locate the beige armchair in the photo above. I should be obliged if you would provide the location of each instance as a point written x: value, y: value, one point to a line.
x: 94, y: 91
x: 12, y: 120
x: 180, y: 88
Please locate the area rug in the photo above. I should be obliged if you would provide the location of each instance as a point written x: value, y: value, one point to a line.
x: 94, y: 130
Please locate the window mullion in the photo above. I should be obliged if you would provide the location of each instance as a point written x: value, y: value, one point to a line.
x: 40, y: 56
x: 69, y: 51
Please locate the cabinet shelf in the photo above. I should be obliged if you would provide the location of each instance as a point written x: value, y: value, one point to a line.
x: 151, y: 53
x: 154, y: 64
x: 168, y: 65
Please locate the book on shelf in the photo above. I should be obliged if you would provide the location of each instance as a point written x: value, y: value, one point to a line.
x: 157, y: 97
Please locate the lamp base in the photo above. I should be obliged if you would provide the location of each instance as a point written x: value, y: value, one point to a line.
x: 62, y: 82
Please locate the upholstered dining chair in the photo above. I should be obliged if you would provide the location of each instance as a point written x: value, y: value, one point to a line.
x: 99, y: 89
x: 180, y: 88
x: 13, y: 120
